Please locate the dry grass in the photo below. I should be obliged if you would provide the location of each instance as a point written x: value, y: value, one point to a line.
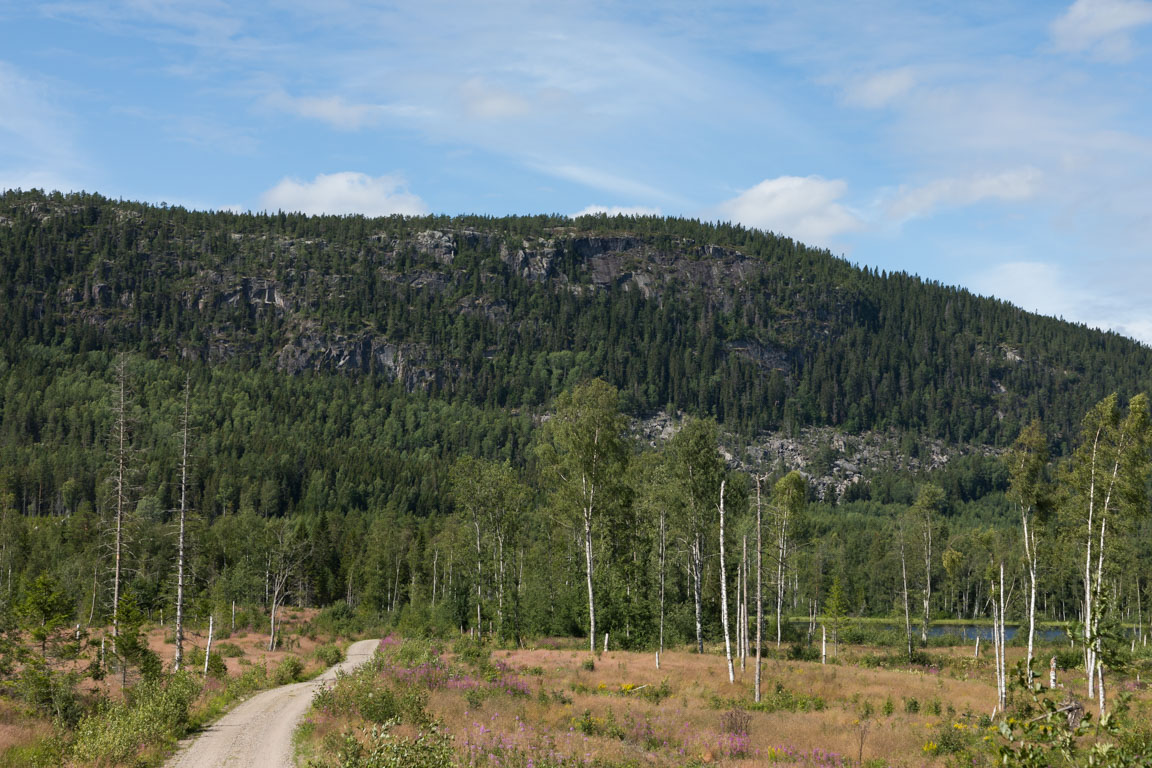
x: 603, y: 715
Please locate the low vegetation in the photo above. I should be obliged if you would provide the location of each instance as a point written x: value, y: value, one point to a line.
x: 424, y: 703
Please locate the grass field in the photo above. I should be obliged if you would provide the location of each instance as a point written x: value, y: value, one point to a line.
x: 558, y: 706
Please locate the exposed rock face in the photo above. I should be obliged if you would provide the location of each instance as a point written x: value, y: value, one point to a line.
x: 533, y: 261
x: 316, y: 350
x: 439, y: 245
x: 831, y: 460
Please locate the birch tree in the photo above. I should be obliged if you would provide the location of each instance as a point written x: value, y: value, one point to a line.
x: 1108, y: 474
x: 286, y: 551
x: 656, y: 500
x: 699, y: 471
x: 929, y: 502
x: 1026, y: 462
x: 759, y: 583
x: 585, y: 451
x: 789, y: 498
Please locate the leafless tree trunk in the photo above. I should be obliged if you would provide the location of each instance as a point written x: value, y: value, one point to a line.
x: 283, y: 562
x: 759, y: 588
x: 208, y: 647
x: 724, y: 593
x: 120, y: 489
x: 743, y: 633
x: 927, y: 576
x: 697, y: 568
x: 588, y: 563
x: 479, y: 572
x: 663, y: 557
x: 904, y: 577
x: 180, y: 539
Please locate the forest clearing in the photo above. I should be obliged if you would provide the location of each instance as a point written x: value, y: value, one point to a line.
x: 556, y: 705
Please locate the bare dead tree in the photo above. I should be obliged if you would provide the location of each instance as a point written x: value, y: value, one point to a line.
x: 286, y: 552
x: 180, y: 538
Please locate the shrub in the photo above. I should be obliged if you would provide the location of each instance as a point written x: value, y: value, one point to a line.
x: 229, y: 650
x: 289, y: 670
x: 588, y: 665
x: 803, y: 652
x: 471, y: 651
x: 153, y: 712
x: 329, y: 654
x: 911, y: 705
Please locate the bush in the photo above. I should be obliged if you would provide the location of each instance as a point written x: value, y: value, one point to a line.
x: 46, y: 753
x: 471, y: 651
x: 588, y: 665
x: 802, y: 652
x: 329, y: 655
x: 229, y: 650
x: 288, y: 671
x: 911, y: 705
x: 49, y: 692
x: 153, y: 712
x: 216, y: 666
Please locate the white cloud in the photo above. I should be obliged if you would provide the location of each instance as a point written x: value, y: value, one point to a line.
x: 1101, y: 27
x: 1009, y: 186
x: 603, y: 180
x: 339, y: 113
x: 802, y: 207
x: 1080, y: 294
x: 344, y: 193
x: 616, y: 210
x: 880, y: 89
x: 489, y: 102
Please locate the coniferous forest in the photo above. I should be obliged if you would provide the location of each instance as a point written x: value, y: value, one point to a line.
x: 541, y: 427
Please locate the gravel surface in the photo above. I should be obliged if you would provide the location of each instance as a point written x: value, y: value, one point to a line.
x: 258, y: 733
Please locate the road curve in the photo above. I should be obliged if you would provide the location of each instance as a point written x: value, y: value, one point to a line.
x: 258, y: 733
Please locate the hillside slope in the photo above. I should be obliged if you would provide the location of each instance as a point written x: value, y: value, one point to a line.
x: 756, y: 330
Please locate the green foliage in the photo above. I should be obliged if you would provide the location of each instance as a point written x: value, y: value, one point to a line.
x: 50, y: 692
x: 44, y: 753
x: 430, y: 749
x: 46, y: 608
x: 1049, y: 733
x: 330, y: 654
x: 289, y: 670
x: 155, y: 712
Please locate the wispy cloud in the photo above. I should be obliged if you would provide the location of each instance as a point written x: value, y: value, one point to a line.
x: 1075, y: 294
x: 36, y: 145
x: 1101, y: 28
x: 597, y: 178
x: 344, y: 193
x: 340, y: 113
x: 1009, y: 186
x: 880, y: 89
x: 806, y: 208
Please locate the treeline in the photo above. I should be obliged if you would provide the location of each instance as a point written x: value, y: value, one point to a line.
x: 564, y: 526
x: 753, y: 330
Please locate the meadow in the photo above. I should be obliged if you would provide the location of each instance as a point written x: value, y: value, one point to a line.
x: 553, y: 705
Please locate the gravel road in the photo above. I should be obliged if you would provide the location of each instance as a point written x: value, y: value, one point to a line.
x: 258, y: 733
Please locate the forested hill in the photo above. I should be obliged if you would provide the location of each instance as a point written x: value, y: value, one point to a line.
x: 756, y: 330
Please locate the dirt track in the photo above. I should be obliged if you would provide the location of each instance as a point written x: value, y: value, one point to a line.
x: 258, y: 733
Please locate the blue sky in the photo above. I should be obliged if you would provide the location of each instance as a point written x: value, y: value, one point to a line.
x: 1005, y: 147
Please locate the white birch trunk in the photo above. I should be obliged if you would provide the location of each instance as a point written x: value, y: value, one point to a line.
x: 724, y: 593
x: 759, y: 590
x: 179, y: 659
x: 208, y: 648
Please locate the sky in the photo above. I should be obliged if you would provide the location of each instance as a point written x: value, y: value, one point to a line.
x: 1003, y: 147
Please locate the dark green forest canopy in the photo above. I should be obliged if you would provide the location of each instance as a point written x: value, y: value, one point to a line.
x: 753, y: 329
